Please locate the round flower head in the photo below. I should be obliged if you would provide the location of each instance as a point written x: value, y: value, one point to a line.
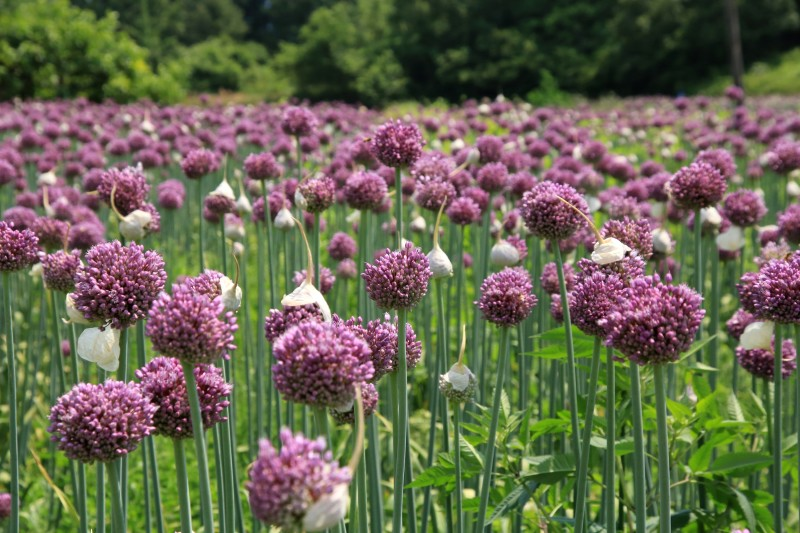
x: 129, y: 186
x: 278, y: 321
x: 118, y: 284
x: 738, y: 322
x: 298, y: 121
x: 59, y: 268
x: 506, y: 298
x: 52, y: 233
x: 284, y: 484
x: 761, y: 363
x: 789, y: 224
x: 653, y: 323
x: 592, y: 299
x: 381, y: 336
x: 20, y: 217
x: 744, y: 208
x: 549, y: 278
x: 190, y: 326
x: 432, y: 193
x: 748, y: 292
x: 342, y: 246
x: 776, y: 292
x: 634, y: 233
x: 101, y: 422
x: 490, y: 148
x: 492, y: 177
x: 720, y: 159
x: 262, y: 166
x: 318, y: 363
x: 369, y: 395
x: 325, y: 282
x: 18, y: 249
x: 697, y: 186
x: 315, y: 195
x: 347, y: 269
x: 546, y: 214
x: 365, y: 191
x: 171, y: 194
x: 164, y: 384
x: 397, y: 144
x: 398, y: 279
x: 463, y: 211
x: 5, y: 497
x: 215, y: 207
x: 199, y: 162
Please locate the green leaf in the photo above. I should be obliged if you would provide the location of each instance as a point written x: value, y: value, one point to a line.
x: 678, y: 409
x: 436, y: 476
x: 739, y: 463
x: 734, y: 409
x: 547, y: 469
x: 583, y: 344
x: 747, y: 509
x: 697, y: 345
x: 700, y: 460
x: 517, y: 497
x: 548, y: 426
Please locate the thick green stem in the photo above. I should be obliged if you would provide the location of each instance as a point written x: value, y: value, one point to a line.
x: 398, y: 205
x: 572, y: 391
x: 361, y: 491
x: 13, y: 433
x: 183, y: 485
x: 583, y: 470
x: 117, y: 512
x: 199, y: 448
x: 459, y: 489
x: 664, y: 511
x: 777, y: 433
x: 488, y: 459
x: 402, y: 416
x: 611, y: 436
x: 639, y: 486
x: 315, y: 247
x: 374, y: 476
x: 261, y: 348
x: 199, y: 196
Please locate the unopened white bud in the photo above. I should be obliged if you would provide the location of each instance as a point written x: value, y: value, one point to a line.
x: 47, y: 179
x: 757, y: 336
x: 243, y: 204
x: 440, y: 264
x: 284, y: 220
x: 224, y: 189
x: 328, y: 511
x: 473, y: 156
x: 504, y: 254
x: 231, y: 294
x: 711, y: 216
x: 417, y: 224
x: 662, y: 241
x: 133, y: 226
x: 609, y: 251
x: 101, y: 347
x: 731, y: 240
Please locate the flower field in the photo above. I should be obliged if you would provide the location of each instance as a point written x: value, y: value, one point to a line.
x: 489, y: 317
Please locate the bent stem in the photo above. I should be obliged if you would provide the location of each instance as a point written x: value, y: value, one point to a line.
x: 199, y: 448
x: 402, y: 416
x: 663, y: 449
x: 488, y: 459
x: 583, y: 470
x: 639, y: 487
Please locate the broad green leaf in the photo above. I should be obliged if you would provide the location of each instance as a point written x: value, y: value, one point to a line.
x: 514, y: 499
x: 734, y: 409
x: 436, y: 476
x: 697, y: 345
x: 700, y: 459
x: 679, y: 410
x: 548, y: 426
x: 547, y: 469
x: 739, y: 463
x: 747, y: 509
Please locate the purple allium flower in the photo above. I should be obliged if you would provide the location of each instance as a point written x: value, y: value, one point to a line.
x: 5, y: 505
x: 206, y: 283
x: 734, y: 93
x: 84, y: 235
x: 477, y: 195
x: 365, y: 191
x: 18, y: 249
x: 738, y: 322
x: 59, y: 268
x: 431, y: 193
x: 52, y: 233
x: 772, y: 250
x: 216, y: 206
x: 748, y: 291
x: 784, y: 157
x: 490, y: 148
x: 20, y: 217
x: 118, y: 284
x: 164, y: 384
x: 635, y: 233
x: 101, y: 422
x: 315, y: 195
x: 190, y: 326
x: 199, y: 162
x: 744, y: 208
x: 298, y: 121
x: 761, y: 363
x: 278, y: 321
x: 789, y: 224
x: 325, y: 283
x: 653, y: 323
x: 720, y: 159
x: 347, y: 269
x: 593, y: 151
x: 381, y: 336
x: 556, y: 309
x: 549, y: 278
x: 318, y: 364
x: 284, y: 484
x: 463, y: 211
x: 369, y: 396
x: 776, y: 291
x: 342, y: 246
x: 397, y: 144
x: 171, y: 194
x: 262, y: 166
x: 697, y: 186
x: 130, y: 192
x: 547, y: 216
x: 398, y: 279
x: 506, y: 298
x: 592, y: 299
x: 492, y: 177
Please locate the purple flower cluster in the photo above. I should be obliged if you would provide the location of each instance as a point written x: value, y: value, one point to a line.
x: 59, y: 268
x: 164, y: 384
x: 278, y: 321
x: 547, y: 216
x: 697, y: 186
x: 653, y: 323
x: 18, y: 249
x: 318, y: 364
x: 744, y: 208
x: 130, y: 189
x: 342, y: 246
x: 431, y: 193
x: 637, y: 234
x: 118, y: 284
x: 365, y: 191
x: 506, y: 298
x: 593, y: 298
x: 549, y: 278
x: 199, y: 162
x: 397, y: 144
x: 369, y: 397
x: 492, y: 177
x: 775, y: 292
x: 298, y: 121
x: 171, y: 194
x: 101, y: 422
x: 398, y: 279
x: 191, y: 327
x: 738, y: 322
x: 284, y: 484
x: 316, y: 194
x: 761, y: 363
x: 325, y: 283
x: 52, y: 233
x: 463, y: 211
x: 789, y: 224
x: 262, y: 166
